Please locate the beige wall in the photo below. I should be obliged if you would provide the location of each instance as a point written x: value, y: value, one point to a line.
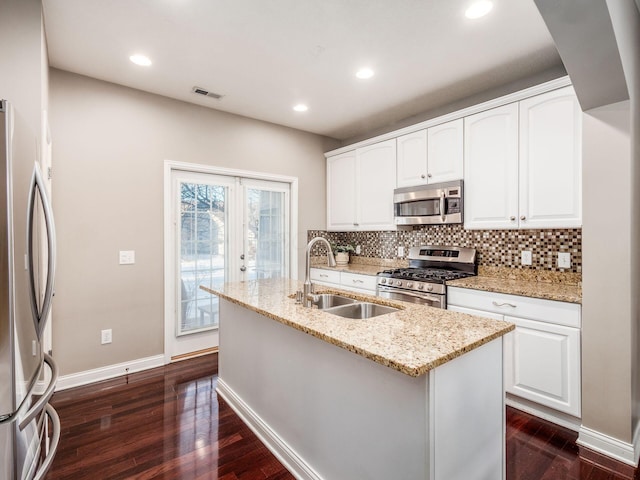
x: 109, y: 148
x: 606, y: 243
x: 611, y: 239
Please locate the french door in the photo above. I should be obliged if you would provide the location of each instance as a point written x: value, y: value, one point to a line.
x: 224, y: 228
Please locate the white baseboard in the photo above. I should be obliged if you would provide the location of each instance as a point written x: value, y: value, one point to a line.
x: 609, y: 446
x: 283, y: 452
x: 110, y: 371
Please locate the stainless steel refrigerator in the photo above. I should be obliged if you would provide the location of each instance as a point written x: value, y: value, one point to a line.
x: 29, y: 426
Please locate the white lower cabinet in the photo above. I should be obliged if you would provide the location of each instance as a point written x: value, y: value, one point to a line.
x: 542, y: 364
x: 354, y: 282
x: 542, y: 355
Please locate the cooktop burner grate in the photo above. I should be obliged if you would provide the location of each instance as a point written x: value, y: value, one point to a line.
x: 424, y: 274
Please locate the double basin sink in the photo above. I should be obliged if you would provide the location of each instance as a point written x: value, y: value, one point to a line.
x: 349, y: 307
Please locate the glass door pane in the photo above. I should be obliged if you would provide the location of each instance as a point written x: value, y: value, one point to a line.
x: 266, y: 233
x: 202, y: 247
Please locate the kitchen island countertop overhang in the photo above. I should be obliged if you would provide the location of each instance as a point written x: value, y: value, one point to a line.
x: 413, y: 340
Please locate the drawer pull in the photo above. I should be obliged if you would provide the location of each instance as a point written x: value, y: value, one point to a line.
x: 324, y: 275
x: 505, y: 304
x: 357, y: 281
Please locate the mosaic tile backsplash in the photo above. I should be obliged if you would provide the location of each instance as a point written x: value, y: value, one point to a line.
x: 495, y: 248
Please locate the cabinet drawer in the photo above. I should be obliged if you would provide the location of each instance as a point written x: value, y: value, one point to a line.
x: 558, y: 313
x: 325, y: 276
x: 478, y: 313
x: 355, y: 280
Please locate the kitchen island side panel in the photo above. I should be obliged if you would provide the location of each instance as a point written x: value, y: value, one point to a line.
x: 328, y: 413
x: 342, y: 415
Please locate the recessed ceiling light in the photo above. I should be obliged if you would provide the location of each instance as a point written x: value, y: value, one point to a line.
x: 140, y: 60
x: 301, y: 107
x: 478, y: 9
x: 364, y: 73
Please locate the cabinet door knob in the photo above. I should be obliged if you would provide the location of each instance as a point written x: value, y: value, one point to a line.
x: 512, y: 218
x: 429, y: 175
x: 522, y: 217
x: 422, y: 176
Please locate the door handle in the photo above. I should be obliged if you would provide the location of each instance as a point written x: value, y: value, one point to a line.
x: 443, y: 206
x: 38, y: 188
x: 41, y: 403
x: 503, y: 304
x: 53, y: 442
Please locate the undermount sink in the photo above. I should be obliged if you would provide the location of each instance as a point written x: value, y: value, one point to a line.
x: 329, y: 300
x: 360, y: 310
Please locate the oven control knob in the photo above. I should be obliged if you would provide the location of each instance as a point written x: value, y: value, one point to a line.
x: 420, y: 286
x: 429, y: 288
x: 383, y: 280
x: 399, y: 283
x: 409, y: 285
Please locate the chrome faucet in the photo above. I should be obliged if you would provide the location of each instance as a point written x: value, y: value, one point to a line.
x: 307, y: 296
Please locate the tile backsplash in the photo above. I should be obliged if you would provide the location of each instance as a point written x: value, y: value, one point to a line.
x: 496, y: 248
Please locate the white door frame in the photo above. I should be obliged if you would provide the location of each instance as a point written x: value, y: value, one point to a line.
x: 169, y: 278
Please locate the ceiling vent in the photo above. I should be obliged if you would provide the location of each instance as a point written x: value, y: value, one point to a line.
x: 207, y: 93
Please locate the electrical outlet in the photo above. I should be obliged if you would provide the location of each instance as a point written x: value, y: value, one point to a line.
x: 34, y: 348
x: 525, y: 257
x: 358, y: 249
x: 105, y: 336
x: 127, y: 257
x: 564, y: 260
x: 400, y: 251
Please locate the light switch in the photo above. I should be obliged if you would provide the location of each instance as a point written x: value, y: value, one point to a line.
x: 400, y: 251
x: 106, y: 336
x: 564, y: 260
x: 127, y: 257
x: 525, y: 257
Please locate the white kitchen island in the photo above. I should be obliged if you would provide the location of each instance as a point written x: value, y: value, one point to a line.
x: 414, y: 394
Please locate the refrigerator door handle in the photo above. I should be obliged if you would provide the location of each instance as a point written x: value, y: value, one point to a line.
x: 52, y: 443
x: 38, y: 187
x: 41, y: 403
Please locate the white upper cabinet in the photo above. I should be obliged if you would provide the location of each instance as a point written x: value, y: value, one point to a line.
x: 491, y: 168
x: 360, y: 188
x: 431, y: 155
x: 523, y: 164
x: 375, y: 179
x: 551, y: 161
x: 445, y: 151
x: 341, y: 192
x: 412, y: 159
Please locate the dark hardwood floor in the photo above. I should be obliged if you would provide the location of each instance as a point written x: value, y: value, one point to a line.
x: 168, y: 423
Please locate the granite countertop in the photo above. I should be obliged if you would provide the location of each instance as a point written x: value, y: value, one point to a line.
x: 414, y: 340
x: 559, y: 292
x: 547, y: 285
x: 361, y: 265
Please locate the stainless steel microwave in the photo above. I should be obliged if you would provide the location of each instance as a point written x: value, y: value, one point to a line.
x: 434, y: 204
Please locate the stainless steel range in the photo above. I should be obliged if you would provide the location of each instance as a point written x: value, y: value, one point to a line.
x: 430, y: 266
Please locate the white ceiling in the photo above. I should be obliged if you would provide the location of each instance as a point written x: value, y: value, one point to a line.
x: 264, y: 56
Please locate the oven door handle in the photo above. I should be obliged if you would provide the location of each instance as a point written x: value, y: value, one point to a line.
x: 443, y: 206
x: 425, y: 296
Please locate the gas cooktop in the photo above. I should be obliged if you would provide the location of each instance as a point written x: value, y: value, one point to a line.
x: 434, y: 275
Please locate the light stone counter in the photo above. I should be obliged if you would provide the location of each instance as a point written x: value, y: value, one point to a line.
x: 413, y: 341
x: 558, y: 286
x: 559, y: 292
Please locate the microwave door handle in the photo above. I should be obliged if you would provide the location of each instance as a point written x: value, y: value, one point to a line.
x: 38, y: 188
x: 443, y: 205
